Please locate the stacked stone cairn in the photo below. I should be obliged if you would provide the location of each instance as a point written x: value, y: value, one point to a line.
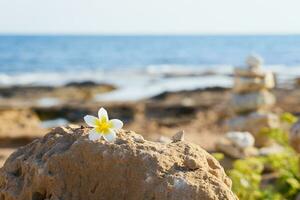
x: 252, y: 100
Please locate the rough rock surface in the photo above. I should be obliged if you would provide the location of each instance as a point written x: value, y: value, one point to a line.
x: 65, y: 165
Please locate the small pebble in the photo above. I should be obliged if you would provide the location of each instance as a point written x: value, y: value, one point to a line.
x: 179, y: 136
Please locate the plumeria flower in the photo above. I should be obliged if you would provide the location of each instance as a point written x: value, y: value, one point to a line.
x: 102, y: 126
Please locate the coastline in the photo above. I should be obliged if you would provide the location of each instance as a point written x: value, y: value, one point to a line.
x: 200, y: 112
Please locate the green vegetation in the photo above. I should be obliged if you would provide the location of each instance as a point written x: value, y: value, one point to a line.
x: 271, y: 177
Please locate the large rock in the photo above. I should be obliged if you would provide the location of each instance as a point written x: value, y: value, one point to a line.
x: 19, y: 124
x: 247, y: 84
x: 261, y: 100
x: 254, y: 123
x: 65, y: 165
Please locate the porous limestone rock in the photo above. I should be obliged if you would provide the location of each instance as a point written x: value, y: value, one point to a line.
x: 65, y: 165
x: 252, y: 101
x: 246, y: 84
x: 237, y: 145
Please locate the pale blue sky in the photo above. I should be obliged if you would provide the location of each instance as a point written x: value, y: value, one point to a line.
x: 150, y: 16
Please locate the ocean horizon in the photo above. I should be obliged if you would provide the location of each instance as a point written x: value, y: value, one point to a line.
x: 141, y: 65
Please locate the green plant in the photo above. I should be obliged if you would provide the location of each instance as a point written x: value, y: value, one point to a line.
x: 218, y: 156
x: 248, y: 174
x: 288, y: 117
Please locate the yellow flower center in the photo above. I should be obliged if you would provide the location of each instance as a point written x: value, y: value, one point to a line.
x: 103, y: 126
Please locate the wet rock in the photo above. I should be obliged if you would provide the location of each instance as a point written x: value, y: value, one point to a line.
x: 66, y: 165
x: 81, y: 84
x: 170, y: 115
x: 75, y: 113
x: 245, y: 72
x: 241, y: 139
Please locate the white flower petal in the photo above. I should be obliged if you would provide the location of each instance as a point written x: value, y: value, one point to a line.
x: 116, y: 124
x: 94, y: 135
x: 110, y: 137
x: 102, y: 113
x: 90, y: 120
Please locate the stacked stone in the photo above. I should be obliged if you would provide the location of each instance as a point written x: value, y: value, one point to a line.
x: 252, y: 100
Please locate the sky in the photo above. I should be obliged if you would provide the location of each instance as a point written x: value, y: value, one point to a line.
x: 149, y: 16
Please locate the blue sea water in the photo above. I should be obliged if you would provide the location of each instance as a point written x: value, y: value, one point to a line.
x: 139, y: 60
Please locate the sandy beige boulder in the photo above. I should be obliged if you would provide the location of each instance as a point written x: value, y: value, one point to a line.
x: 65, y: 165
x: 19, y: 123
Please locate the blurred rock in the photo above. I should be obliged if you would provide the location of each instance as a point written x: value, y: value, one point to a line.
x: 273, y: 149
x: 254, y: 62
x: 66, y: 165
x: 254, y: 123
x: 297, y: 84
x: 237, y: 145
x: 241, y: 139
x: 246, y: 84
x: 294, y: 137
x: 252, y: 101
x: 164, y: 140
x: 19, y: 123
x: 170, y: 115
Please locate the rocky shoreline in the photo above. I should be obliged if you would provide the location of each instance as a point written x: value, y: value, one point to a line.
x: 201, y: 113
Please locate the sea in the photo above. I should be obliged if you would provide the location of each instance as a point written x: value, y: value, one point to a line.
x: 142, y: 66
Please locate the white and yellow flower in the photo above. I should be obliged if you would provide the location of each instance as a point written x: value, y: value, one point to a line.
x: 102, y: 126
